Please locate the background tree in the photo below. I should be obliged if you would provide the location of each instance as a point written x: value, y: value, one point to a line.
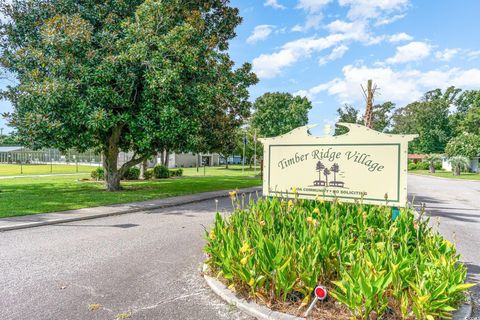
x: 459, y: 164
x: 231, y: 109
x: 432, y: 159
x: 9, y: 139
x: 467, y: 145
x: 278, y: 113
x: 347, y: 114
x: 113, y: 75
x: 429, y: 118
x: 382, y: 115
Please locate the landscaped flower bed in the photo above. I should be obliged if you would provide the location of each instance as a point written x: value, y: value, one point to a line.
x: 277, y: 250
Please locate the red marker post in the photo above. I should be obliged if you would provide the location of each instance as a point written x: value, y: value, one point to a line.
x: 320, y: 294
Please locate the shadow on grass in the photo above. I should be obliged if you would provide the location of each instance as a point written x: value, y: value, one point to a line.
x: 34, y: 196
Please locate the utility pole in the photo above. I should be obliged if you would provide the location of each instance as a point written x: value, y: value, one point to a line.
x: 369, y: 95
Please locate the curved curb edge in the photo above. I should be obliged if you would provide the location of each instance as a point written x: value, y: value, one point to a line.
x: 464, y: 312
x: 250, y: 308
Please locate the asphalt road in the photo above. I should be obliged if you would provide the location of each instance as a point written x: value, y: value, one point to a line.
x: 147, y: 264
x: 143, y: 264
x: 454, y: 208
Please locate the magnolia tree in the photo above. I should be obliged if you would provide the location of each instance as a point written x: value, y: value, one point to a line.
x: 119, y: 75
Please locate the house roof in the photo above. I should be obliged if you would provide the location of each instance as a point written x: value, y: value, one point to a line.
x: 416, y: 156
x: 10, y: 148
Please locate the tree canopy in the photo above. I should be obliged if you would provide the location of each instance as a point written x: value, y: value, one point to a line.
x: 278, y: 113
x: 120, y: 75
x: 467, y: 145
x: 429, y: 118
x: 381, y: 116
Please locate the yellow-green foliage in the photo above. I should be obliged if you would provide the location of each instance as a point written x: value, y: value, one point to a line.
x: 278, y: 248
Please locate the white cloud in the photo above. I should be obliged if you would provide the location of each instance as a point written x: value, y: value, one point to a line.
x: 389, y: 19
x: 336, y: 53
x: 260, y: 33
x: 312, y: 6
x: 368, y: 9
x: 273, y: 4
x: 398, y: 37
x: 413, y: 51
x: 447, y: 54
x: 297, y: 28
x: 401, y: 87
x: 271, y: 65
x: 471, y: 55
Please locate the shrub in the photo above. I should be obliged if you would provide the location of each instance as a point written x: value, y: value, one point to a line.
x: 148, y: 174
x: 438, y: 166
x: 412, y: 166
x: 98, y: 174
x: 176, y: 172
x: 161, y: 172
x: 275, y: 249
x: 423, y: 165
x: 132, y: 173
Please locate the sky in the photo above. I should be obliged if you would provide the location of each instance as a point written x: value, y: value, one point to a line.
x: 326, y: 49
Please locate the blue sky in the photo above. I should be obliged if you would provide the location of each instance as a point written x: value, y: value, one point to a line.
x: 325, y: 49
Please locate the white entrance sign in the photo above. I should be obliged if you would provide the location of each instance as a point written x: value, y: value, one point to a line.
x: 362, y: 164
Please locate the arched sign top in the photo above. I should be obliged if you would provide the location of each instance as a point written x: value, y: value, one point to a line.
x: 360, y: 164
x: 355, y: 132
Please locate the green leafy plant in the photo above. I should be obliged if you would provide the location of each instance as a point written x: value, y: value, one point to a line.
x: 148, y: 174
x: 275, y: 249
x: 176, y: 172
x: 98, y: 174
x: 412, y: 166
x: 132, y: 173
x: 431, y: 160
x: 459, y: 164
x: 161, y: 172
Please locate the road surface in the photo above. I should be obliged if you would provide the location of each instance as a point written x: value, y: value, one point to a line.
x: 455, y: 205
x: 144, y: 264
x: 147, y: 264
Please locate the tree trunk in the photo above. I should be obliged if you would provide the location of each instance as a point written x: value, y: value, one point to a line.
x: 166, y: 157
x: 456, y: 171
x: 432, y: 168
x: 143, y: 169
x: 110, y: 165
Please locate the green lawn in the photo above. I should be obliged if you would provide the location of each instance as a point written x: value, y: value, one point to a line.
x: 233, y: 170
x: 448, y: 174
x: 25, y: 196
x: 34, y: 169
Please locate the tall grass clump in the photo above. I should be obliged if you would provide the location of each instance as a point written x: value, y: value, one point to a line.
x: 275, y: 249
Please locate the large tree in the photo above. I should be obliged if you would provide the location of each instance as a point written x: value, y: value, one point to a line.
x: 429, y: 118
x: 466, y: 144
x: 382, y: 115
x: 278, y: 113
x: 347, y: 114
x: 116, y: 75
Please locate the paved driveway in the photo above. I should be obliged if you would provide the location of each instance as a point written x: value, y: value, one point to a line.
x: 146, y: 264
x: 456, y: 205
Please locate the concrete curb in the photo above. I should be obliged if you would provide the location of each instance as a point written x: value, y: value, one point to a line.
x: 464, y: 312
x: 251, y: 308
x: 435, y: 177
x: 99, y: 212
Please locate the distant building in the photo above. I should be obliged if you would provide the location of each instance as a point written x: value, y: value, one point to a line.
x: 416, y: 157
x: 190, y: 160
x: 473, y: 167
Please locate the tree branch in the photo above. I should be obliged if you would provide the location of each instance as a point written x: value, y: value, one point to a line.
x: 130, y: 163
